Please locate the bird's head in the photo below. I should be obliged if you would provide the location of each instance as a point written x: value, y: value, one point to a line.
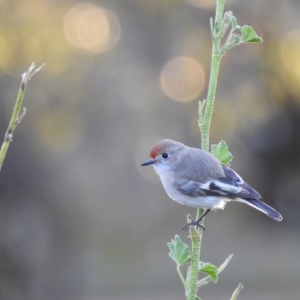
x: 164, y: 154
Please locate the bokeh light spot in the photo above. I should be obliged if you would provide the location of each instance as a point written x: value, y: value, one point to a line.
x: 60, y: 131
x: 290, y: 51
x: 205, y: 3
x: 89, y: 27
x: 183, y: 79
x: 58, y: 62
x: 17, y: 52
x: 52, y: 32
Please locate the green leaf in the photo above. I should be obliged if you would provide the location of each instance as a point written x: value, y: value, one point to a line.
x: 209, y: 269
x: 249, y: 35
x: 256, y: 40
x: 222, y: 153
x: 179, y: 251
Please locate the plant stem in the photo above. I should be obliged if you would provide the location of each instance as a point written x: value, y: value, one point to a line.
x: 214, y: 70
x: 16, y: 117
x: 204, y: 124
x: 195, y: 254
x: 236, y: 292
x: 181, y: 276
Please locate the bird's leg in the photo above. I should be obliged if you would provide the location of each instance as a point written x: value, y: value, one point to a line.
x: 196, y: 223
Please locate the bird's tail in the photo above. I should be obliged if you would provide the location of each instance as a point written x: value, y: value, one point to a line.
x: 263, y: 207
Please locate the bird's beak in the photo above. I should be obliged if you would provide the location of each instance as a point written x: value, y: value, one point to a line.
x: 149, y: 161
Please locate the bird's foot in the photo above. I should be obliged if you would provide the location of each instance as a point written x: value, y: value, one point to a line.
x: 193, y: 223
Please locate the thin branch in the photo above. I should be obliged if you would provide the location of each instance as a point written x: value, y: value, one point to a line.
x: 16, y: 117
x: 204, y: 124
x: 237, y: 292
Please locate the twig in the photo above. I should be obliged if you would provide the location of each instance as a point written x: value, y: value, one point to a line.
x: 236, y: 292
x: 16, y: 117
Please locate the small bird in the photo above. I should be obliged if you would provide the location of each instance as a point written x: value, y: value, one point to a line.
x: 195, y: 178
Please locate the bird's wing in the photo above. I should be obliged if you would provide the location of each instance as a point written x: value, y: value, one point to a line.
x: 190, y: 188
x: 222, y: 180
x: 232, y: 185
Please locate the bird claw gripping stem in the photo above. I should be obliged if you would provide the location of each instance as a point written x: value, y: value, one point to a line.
x: 195, y: 223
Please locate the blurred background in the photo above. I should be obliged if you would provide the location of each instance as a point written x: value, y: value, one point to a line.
x: 80, y: 219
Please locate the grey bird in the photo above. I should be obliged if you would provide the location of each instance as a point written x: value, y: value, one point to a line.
x: 195, y: 178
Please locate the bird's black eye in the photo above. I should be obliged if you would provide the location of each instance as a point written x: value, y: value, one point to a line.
x: 165, y: 155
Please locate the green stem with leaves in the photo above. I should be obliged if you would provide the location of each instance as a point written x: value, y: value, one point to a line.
x: 236, y: 36
x: 204, y: 124
x: 204, y: 121
x: 16, y: 117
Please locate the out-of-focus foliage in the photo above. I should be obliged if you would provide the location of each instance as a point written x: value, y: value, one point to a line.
x: 79, y: 218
